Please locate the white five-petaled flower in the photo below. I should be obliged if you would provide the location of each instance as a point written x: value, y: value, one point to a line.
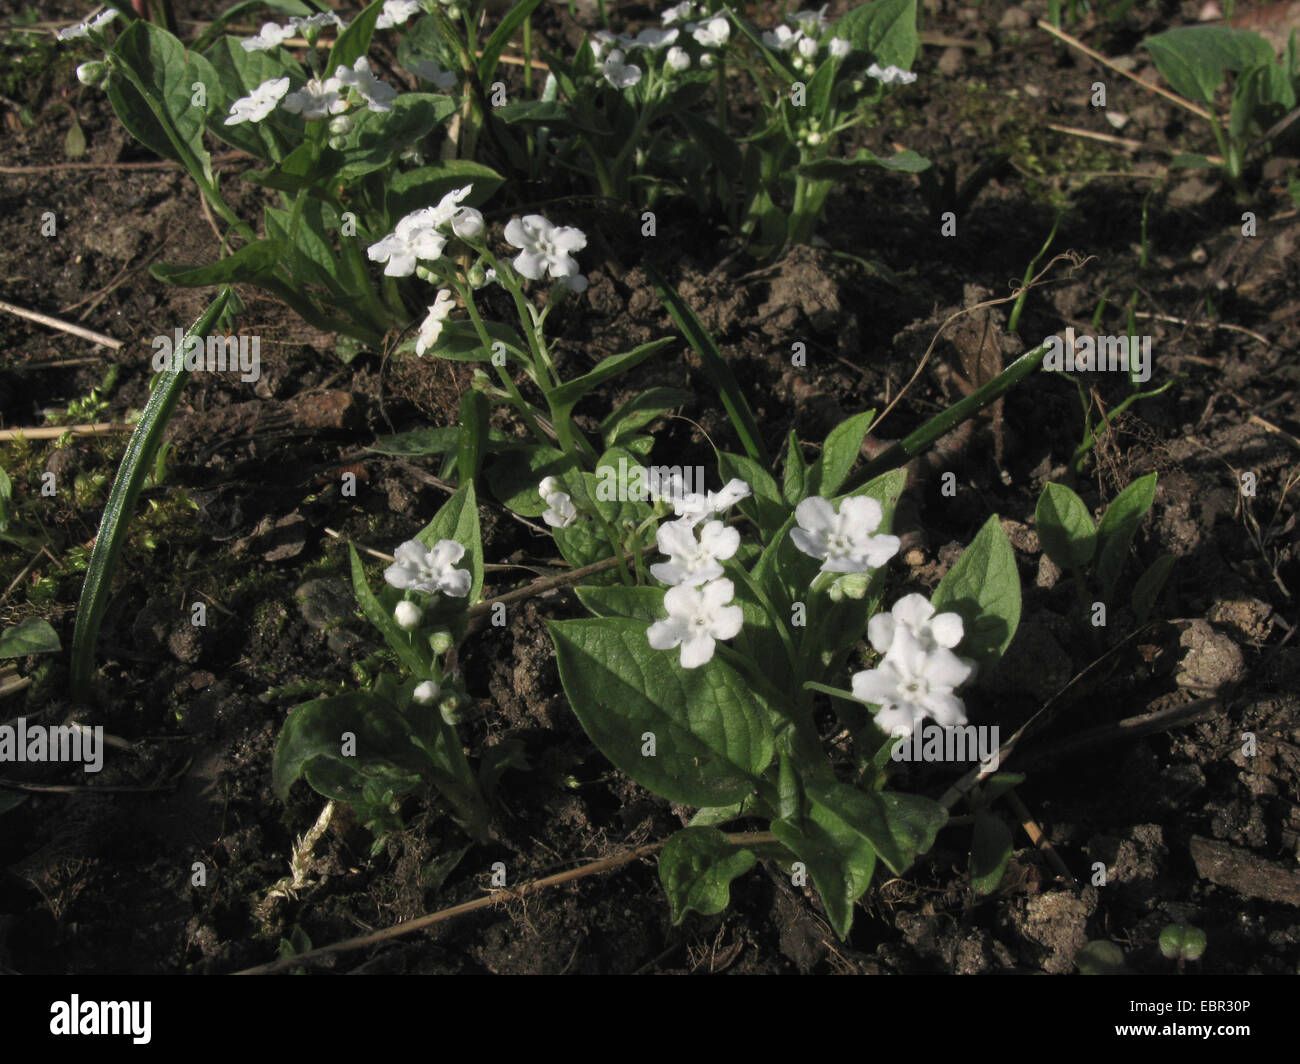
x: 378, y: 95
x: 317, y: 21
x: 560, y: 511
x: 272, y: 35
x: 259, y: 103
x: 407, y: 614
x: 783, y: 38
x: 84, y: 29
x: 420, y: 234
x: 911, y: 683
x: 317, y: 99
x: 429, y: 70
x: 601, y: 41
x: 807, y: 48
x: 891, y: 75
x: 811, y: 22
x: 618, y: 73
x: 677, y: 59
x: 431, y: 328
x: 653, y: 39
x: 697, y: 617
x: 396, y: 13
x: 843, y: 541
x: 713, y: 34
x: 419, y: 568
x: 693, y: 561
x: 695, y: 506
x: 545, y: 248
x: 914, y: 614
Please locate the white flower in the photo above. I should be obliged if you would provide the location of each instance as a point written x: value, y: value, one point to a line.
x: 396, y: 13
x: 915, y: 614
x: 272, y: 35
x: 317, y: 99
x: 545, y: 247
x: 619, y: 74
x: 695, y: 506
x: 714, y: 33
x: 429, y: 70
x: 839, y: 47
x: 677, y: 58
x: 693, y: 561
x: 653, y: 39
x: 407, y: 614
x: 807, y: 48
x: 600, y: 42
x: 431, y: 328
x: 260, y: 103
x: 377, y: 94
x: 426, y: 692
x: 811, y: 22
x: 911, y: 684
x: 843, y: 541
x: 84, y: 29
x: 419, y: 235
x: 680, y: 13
x: 783, y: 38
x: 560, y: 511
x: 418, y: 568
x: 891, y: 75
x: 467, y: 223
x: 697, y: 616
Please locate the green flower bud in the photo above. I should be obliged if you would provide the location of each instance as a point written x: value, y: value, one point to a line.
x: 440, y: 641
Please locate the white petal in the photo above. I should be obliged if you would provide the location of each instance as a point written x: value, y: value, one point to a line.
x: 665, y: 634
x: 815, y: 515
x: 880, y: 631
x: 947, y: 629
x: 697, y: 651
x: 912, y: 610
x: 727, y: 622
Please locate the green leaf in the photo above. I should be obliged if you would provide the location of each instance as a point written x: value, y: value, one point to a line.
x: 1065, y: 528
x: 712, y: 735
x: 885, y: 30
x: 354, y: 41
x: 473, y: 436
x: 1195, y: 59
x: 765, y: 507
x: 136, y: 463
x: 514, y: 476
x: 459, y: 342
x: 458, y: 520
x: 1118, y: 526
x: 1149, y: 585
x: 152, y: 92
x: 794, y: 473
x: 639, y: 603
x: 246, y: 266
x: 308, y: 165
x: 640, y: 411
x: 425, y: 186
x: 899, y: 826
x: 32, y: 636
x: 841, y: 449
x: 379, y: 137
x: 904, y: 162
x: 564, y: 397
x: 696, y: 867
x: 839, y: 858
x: 487, y: 62
x: 715, y: 368
x: 990, y: 853
x: 983, y: 586
x: 239, y: 72
x: 1182, y: 942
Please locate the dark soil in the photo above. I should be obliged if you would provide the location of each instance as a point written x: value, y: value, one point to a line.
x: 102, y: 876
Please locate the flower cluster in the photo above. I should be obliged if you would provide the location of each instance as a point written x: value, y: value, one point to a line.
x: 560, y: 511
x: 423, y: 234
x: 807, y: 37
x: 272, y: 34
x: 674, y: 44
x: 318, y: 98
x: 918, y: 672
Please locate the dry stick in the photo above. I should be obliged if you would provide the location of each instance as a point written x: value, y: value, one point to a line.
x: 1204, y: 325
x: 1033, y: 283
x: 1074, y: 42
x: 1273, y: 428
x: 13, y: 684
x: 605, y: 864
x: 54, y: 432
x: 1123, y: 142
x: 67, y: 327
x: 1039, y: 838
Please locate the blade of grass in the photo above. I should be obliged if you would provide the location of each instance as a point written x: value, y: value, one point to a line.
x: 136, y: 463
x: 742, y: 418
x: 910, y: 446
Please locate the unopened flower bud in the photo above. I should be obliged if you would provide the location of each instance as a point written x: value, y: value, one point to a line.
x: 477, y: 276
x: 440, y: 641
x: 449, y: 707
x: 93, y: 73
x: 426, y: 274
x: 467, y: 223
x: 341, y: 125
x: 407, y: 614
x: 426, y: 692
